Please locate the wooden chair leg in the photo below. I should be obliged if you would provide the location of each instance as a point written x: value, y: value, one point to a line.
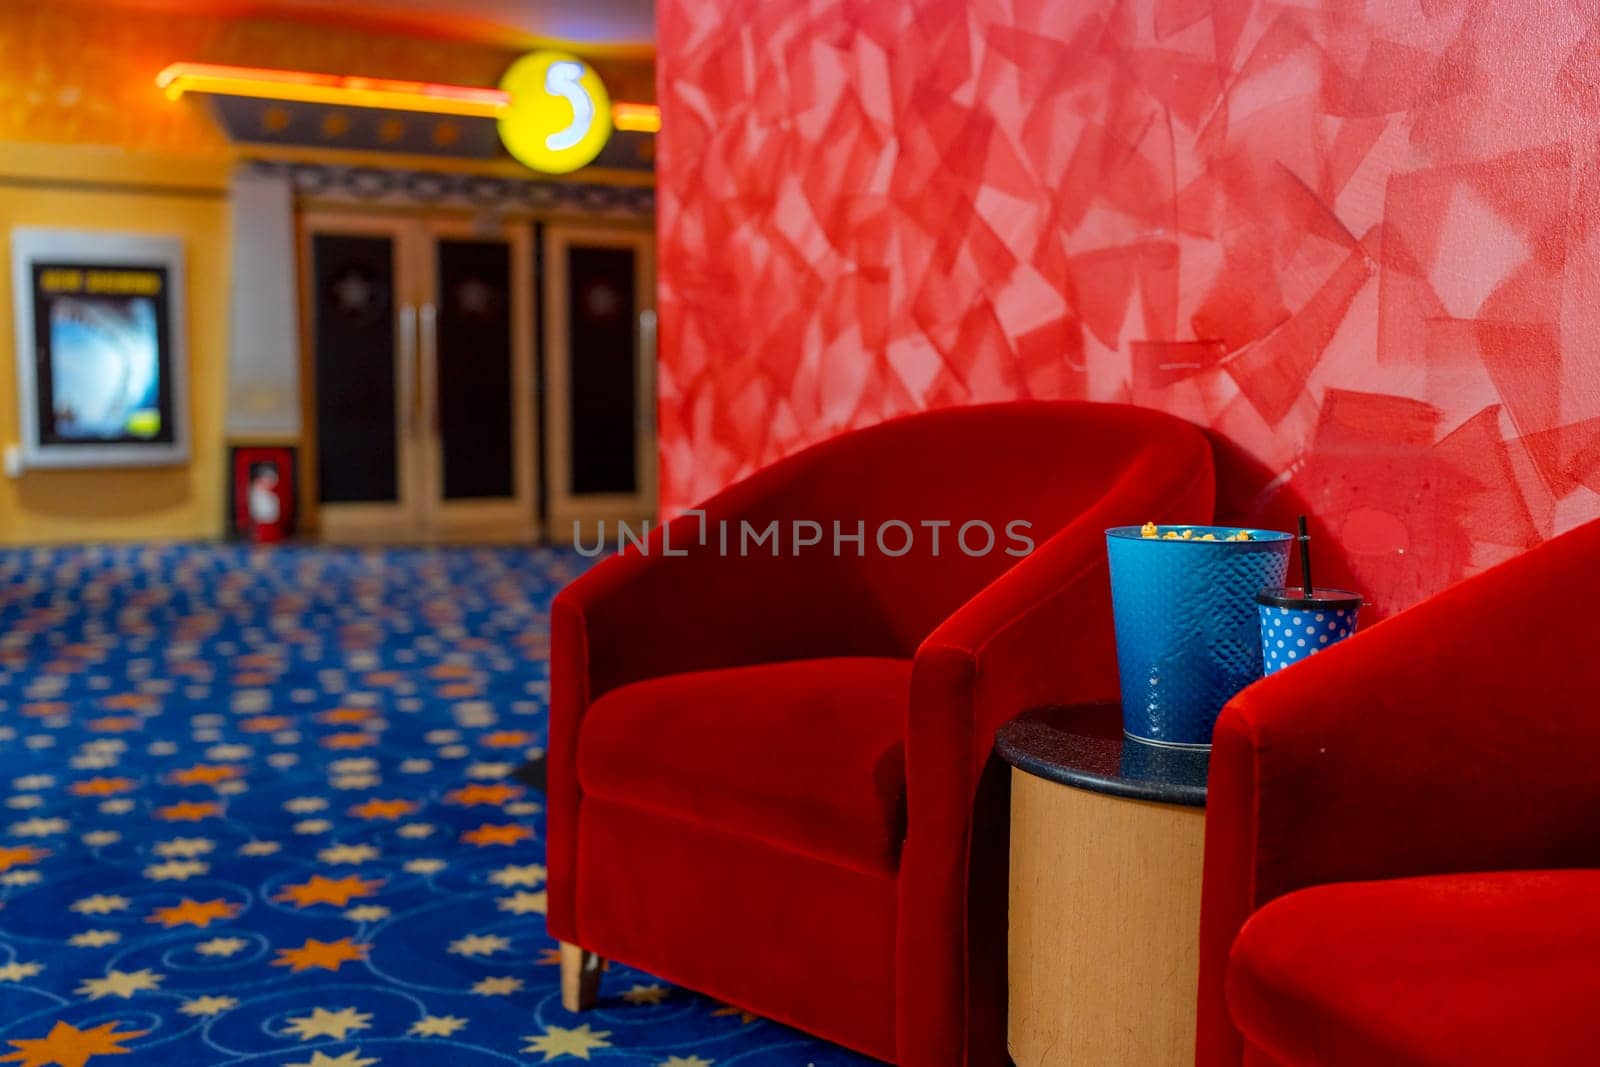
x: 580, y: 978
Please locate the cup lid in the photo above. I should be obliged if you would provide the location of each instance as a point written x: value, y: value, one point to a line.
x: 1320, y: 599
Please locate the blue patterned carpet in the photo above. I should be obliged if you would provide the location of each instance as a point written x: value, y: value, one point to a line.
x: 258, y: 809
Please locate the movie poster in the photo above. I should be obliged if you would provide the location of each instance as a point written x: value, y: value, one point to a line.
x: 98, y: 347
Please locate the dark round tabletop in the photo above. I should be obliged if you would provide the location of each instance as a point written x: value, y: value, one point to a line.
x: 1084, y: 746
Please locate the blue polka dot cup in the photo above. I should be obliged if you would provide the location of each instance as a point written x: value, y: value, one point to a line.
x: 1295, y: 627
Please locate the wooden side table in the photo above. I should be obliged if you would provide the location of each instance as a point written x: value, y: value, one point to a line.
x: 1106, y: 836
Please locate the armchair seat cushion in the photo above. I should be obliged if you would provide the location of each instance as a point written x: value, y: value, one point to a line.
x: 1463, y: 970
x: 807, y: 755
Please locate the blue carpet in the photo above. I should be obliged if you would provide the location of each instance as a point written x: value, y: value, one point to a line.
x: 257, y: 809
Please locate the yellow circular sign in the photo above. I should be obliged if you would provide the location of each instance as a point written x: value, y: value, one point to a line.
x: 560, y: 114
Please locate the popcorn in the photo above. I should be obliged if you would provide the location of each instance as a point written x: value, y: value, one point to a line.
x: 1150, y: 531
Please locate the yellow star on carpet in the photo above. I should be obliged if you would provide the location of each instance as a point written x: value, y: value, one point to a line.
x: 326, y: 955
x: 100, y: 838
x: 654, y: 993
x: 559, y: 1041
x: 100, y: 904
x: 184, y: 847
x: 367, y: 913
x: 208, y: 1005
x: 22, y: 877
x: 313, y: 826
x: 16, y: 971
x: 40, y: 827
x: 67, y: 1046
x: 383, y: 809
x: 94, y: 939
x: 336, y: 891
x: 436, y: 1026
x: 259, y: 848
x: 490, y: 770
x: 685, y: 1061
x: 530, y: 875
x: 489, y: 987
x: 304, y: 805
x: 120, y: 984
x: 347, y: 854
x: 493, y: 834
x: 221, y: 946
x: 415, y: 829
x: 479, y: 945
x: 118, y: 806
x: 176, y: 870
x: 324, y: 1023
x: 353, y: 1058
x: 424, y: 865
x: 194, y: 913
x: 523, y: 903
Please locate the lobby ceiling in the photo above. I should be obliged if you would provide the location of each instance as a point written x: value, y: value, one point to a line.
x: 622, y: 26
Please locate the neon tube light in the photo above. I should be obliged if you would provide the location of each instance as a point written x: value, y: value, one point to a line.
x: 354, y: 91
x: 643, y: 118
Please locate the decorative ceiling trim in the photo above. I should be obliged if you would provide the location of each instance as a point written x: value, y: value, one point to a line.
x: 378, y: 186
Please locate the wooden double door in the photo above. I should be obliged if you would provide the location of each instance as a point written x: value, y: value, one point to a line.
x: 421, y: 377
x: 424, y: 397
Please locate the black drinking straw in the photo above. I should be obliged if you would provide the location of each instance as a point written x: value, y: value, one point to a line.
x: 1305, y: 557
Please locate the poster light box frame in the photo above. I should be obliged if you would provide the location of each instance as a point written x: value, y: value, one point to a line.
x: 93, y: 249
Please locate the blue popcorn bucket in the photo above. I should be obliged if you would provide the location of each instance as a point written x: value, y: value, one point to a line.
x: 1295, y: 626
x: 1188, y: 633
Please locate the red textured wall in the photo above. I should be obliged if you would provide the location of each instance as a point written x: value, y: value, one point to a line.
x: 1356, y: 239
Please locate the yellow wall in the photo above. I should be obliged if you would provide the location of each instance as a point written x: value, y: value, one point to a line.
x: 187, y: 201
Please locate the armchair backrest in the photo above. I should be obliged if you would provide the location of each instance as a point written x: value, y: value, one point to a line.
x: 988, y: 482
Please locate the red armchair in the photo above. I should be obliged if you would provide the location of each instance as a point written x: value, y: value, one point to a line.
x: 769, y: 777
x: 1357, y: 802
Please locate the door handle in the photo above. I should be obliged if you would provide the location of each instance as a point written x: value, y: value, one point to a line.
x: 430, y: 364
x: 647, y: 371
x: 406, y: 326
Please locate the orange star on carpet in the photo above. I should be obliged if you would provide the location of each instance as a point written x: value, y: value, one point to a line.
x: 205, y: 774
x: 129, y: 702
x: 478, y: 793
x: 383, y: 809
x: 115, y: 724
x: 265, y: 724
x: 328, y: 955
x: 193, y: 913
x: 348, y: 741
x: 507, y: 739
x: 345, y: 715
x: 490, y: 834
x: 12, y: 857
x: 41, y: 708
x: 189, y: 811
x: 67, y: 1046
x: 101, y: 787
x: 336, y: 891
x: 450, y: 670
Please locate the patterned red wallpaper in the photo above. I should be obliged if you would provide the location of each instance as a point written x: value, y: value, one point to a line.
x: 1361, y: 242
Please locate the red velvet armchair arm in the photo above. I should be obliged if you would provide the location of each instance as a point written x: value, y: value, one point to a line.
x: 1457, y: 736
x: 1041, y: 634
